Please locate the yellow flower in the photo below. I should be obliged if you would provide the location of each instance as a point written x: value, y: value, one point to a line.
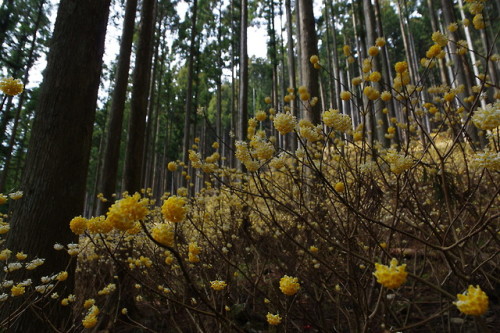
x: 16, y: 195
x: 261, y: 115
x: 289, y: 285
x: 78, y: 225
x: 99, y: 225
x: 284, y: 123
x: 380, y: 42
x: 375, y: 77
x: 193, y: 252
x: 452, y: 27
x: 21, y: 256
x: 340, y: 187
x: 163, y: 234
x: 371, y: 93
x: 90, y: 319
x: 172, y: 166
x: 273, y: 319
x: 3, y: 198
x: 373, y: 51
x: 401, y: 66
x: 218, y: 285
x: 439, y: 38
x: 338, y: 121
x: 268, y: 100
x: 487, y: 118
x: 391, y: 277
x: 17, y: 290
x: 62, y: 276
x: 347, y: 50
x: 314, y: 59
x: 88, y: 303
x: 174, y: 209
x: 345, y: 95
x: 124, y: 213
x: 489, y: 160
x: 433, y: 51
x: 385, y: 96
x: 473, y: 302
x: 11, y: 87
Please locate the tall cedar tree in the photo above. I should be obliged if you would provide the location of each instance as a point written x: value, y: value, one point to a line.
x: 309, y: 47
x: 140, y: 91
x: 109, y: 171
x: 58, y: 156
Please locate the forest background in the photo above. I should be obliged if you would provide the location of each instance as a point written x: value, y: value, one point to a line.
x: 181, y: 108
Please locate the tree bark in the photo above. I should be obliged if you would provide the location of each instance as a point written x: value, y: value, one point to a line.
x: 309, y: 47
x: 243, y: 94
x: 109, y: 171
x: 57, y: 161
x: 135, y: 146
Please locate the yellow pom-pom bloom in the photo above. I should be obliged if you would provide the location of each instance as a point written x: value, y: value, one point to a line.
x: 380, y: 42
x: 373, y: 51
x: 261, y: 115
x: 289, y: 285
x: 172, y: 166
x: 314, y: 59
x: 3, y: 198
x: 347, y: 50
x: 385, y: 96
x: 338, y: 121
x: 124, y: 213
x: 391, y: 277
x: 99, y: 225
x: 284, y: 123
x: 273, y: 319
x: 433, y: 51
x: 340, y: 187
x: 401, y: 66
x: 193, y: 252
x: 371, y: 93
x: 452, y: 27
x: 78, y: 225
x: 487, y: 118
x: 439, y: 38
x: 375, y: 77
x: 174, y: 209
x: 17, y: 290
x: 345, y: 95
x: 478, y: 22
x: 62, y: 276
x: 473, y: 302
x: 11, y: 86
x: 163, y: 234
x: 268, y: 100
x: 218, y: 285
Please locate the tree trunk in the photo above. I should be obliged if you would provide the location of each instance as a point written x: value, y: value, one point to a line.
x: 139, y: 103
x: 291, y: 68
x: 109, y: 171
x: 189, y: 92
x: 58, y: 155
x: 309, y: 47
x: 243, y: 96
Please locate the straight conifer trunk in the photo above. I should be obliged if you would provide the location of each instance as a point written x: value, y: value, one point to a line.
x: 58, y: 155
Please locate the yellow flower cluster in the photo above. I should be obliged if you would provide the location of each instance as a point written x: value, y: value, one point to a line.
x: 261, y: 115
x: 488, y: 160
x: 391, y: 277
x: 273, y: 319
x: 338, y: 121
x: 174, y: 209
x: 372, y: 93
x: 284, y: 123
x: 308, y: 131
x: 397, y: 162
x: 11, y: 86
x: 78, y: 225
x: 218, y: 285
x: 163, y: 234
x: 473, y: 302
x: 193, y: 252
x: 90, y: 319
x: 289, y: 285
x: 487, y: 118
x: 125, y: 213
x: 304, y: 94
x: 99, y: 225
x: 172, y: 166
x: 17, y: 290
